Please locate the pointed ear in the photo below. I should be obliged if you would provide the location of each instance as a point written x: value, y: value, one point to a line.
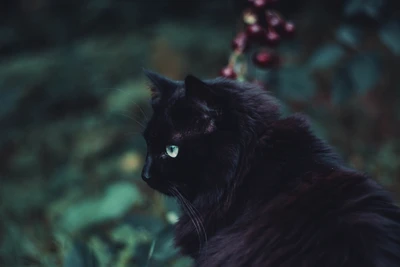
x: 160, y: 85
x: 198, y: 90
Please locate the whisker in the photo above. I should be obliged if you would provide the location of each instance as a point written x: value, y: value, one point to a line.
x: 134, y: 119
x: 192, y: 216
x: 132, y: 133
x: 190, y: 213
x: 198, y: 219
x: 142, y: 111
x: 136, y: 104
x: 196, y: 216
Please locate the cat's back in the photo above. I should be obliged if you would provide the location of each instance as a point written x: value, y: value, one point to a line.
x: 343, y: 219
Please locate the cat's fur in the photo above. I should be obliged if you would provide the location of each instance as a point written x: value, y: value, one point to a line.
x: 266, y: 190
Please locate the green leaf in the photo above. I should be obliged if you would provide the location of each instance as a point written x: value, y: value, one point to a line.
x: 150, y: 223
x: 349, y: 35
x: 80, y: 256
x: 113, y: 204
x: 342, y: 87
x: 390, y: 36
x: 357, y: 76
x: 371, y: 8
x: 295, y: 83
x: 163, y: 247
x: 364, y: 71
x: 325, y: 56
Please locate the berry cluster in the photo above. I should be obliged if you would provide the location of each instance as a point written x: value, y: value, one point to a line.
x: 262, y: 30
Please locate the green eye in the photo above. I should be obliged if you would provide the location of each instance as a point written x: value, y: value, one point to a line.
x: 172, y: 151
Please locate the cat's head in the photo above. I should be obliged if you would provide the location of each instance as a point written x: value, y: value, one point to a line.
x: 198, y: 132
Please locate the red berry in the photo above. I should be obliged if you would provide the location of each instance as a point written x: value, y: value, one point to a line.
x: 269, y: 14
x: 265, y: 59
x: 255, y: 31
x: 260, y: 4
x: 274, y: 20
x: 240, y: 42
x: 272, y: 38
x: 228, y: 72
x: 289, y: 29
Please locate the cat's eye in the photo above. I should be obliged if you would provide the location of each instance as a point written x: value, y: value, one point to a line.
x: 172, y: 151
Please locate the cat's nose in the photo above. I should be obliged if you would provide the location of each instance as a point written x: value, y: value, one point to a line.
x: 146, y: 175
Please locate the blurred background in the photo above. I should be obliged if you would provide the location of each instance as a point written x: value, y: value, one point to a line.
x: 73, y: 101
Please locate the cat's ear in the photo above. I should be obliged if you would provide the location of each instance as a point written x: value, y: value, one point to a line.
x: 198, y: 90
x: 159, y: 85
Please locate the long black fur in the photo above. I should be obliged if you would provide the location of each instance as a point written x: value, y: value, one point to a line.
x: 267, y: 191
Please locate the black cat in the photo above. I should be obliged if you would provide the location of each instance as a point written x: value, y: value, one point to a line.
x: 258, y: 189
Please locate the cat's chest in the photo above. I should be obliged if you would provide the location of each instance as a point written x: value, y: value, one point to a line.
x: 257, y: 244
x: 265, y: 237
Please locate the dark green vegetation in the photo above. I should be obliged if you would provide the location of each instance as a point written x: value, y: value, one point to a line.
x: 72, y: 95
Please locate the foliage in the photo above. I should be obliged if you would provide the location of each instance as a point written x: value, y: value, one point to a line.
x: 390, y: 35
x: 80, y: 256
x: 325, y: 56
